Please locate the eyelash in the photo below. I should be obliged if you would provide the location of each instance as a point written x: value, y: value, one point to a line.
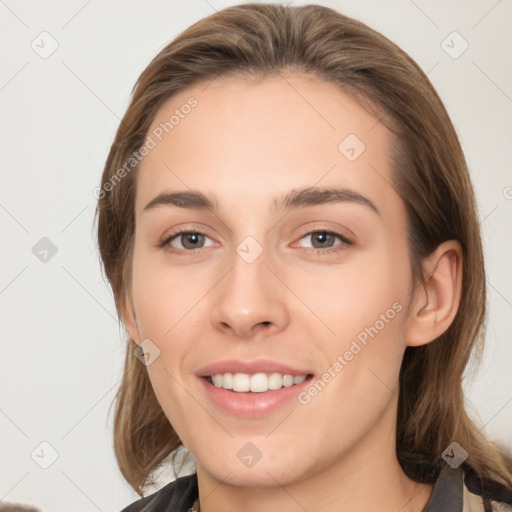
x: 165, y: 242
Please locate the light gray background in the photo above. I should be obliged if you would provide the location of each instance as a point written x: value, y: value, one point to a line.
x: 61, y: 348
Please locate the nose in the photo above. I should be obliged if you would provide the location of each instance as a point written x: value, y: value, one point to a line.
x: 250, y: 300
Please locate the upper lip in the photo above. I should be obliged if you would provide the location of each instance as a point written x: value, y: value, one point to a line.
x: 251, y: 367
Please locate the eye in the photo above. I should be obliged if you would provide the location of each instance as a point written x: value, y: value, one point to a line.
x: 325, y: 239
x: 321, y: 241
x: 185, y: 241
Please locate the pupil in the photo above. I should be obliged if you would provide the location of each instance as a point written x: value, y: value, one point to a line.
x: 322, y: 237
x: 193, y: 239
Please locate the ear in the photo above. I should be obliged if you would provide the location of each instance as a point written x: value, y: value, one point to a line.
x: 436, y: 302
x: 130, y: 319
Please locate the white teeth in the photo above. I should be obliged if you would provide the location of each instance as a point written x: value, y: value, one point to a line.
x: 299, y: 380
x: 259, y: 383
x: 288, y: 381
x: 275, y: 381
x: 241, y: 382
x: 227, y: 381
x: 256, y: 383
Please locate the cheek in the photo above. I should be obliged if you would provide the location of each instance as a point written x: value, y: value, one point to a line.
x: 181, y: 405
x: 164, y: 295
x: 366, y: 310
x: 347, y: 299
x: 364, y: 305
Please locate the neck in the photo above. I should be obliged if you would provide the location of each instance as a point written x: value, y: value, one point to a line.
x: 367, y: 478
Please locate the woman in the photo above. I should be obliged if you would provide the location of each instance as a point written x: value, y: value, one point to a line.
x: 288, y: 226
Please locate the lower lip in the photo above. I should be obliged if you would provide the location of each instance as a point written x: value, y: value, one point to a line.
x: 252, y: 405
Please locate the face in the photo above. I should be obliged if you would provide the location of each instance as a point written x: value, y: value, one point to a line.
x: 241, y: 280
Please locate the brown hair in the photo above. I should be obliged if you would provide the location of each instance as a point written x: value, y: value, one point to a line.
x: 429, y: 174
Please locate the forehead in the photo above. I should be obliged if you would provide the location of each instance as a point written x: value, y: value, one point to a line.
x: 236, y: 134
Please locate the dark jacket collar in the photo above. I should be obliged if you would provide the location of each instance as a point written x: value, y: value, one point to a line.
x: 447, y: 494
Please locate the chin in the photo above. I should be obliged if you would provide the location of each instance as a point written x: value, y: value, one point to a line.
x: 281, y: 469
x: 263, y: 476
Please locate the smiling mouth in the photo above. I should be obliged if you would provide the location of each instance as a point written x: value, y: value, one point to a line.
x: 255, y: 383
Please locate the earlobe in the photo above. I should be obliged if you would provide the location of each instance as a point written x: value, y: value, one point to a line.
x: 130, y: 319
x: 436, y: 302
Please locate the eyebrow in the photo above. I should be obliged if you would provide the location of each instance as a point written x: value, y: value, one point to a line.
x: 297, y: 198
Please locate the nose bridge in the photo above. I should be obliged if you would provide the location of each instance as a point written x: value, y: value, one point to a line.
x: 249, y: 296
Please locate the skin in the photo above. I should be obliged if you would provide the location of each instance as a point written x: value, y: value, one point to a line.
x: 248, y: 142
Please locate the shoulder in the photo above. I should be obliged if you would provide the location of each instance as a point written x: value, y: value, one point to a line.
x: 461, y: 491
x: 475, y: 503
x: 489, y: 496
x: 176, y: 496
